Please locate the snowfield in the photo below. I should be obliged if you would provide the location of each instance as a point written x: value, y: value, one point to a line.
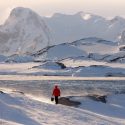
x: 17, y: 108
x: 68, y: 67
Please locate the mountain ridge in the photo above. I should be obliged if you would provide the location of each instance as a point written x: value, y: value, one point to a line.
x: 23, y: 32
x: 68, y: 28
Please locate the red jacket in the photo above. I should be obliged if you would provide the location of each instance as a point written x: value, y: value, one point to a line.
x: 56, y: 91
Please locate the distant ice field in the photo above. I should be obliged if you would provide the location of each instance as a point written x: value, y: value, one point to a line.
x: 68, y: 88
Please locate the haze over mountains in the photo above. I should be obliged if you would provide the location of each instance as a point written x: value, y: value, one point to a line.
x: 68, y: 28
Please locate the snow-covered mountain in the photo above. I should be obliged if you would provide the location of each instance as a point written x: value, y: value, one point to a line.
x: 68, y: 28
x: 23, y: 32
x: 26, y: 33
x: 94, y: 48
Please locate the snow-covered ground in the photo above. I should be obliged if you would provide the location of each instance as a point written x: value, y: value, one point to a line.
x: 79, y: 68
x: 20, y: 106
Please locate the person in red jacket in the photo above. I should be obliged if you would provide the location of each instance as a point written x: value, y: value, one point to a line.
x: 56, y: 93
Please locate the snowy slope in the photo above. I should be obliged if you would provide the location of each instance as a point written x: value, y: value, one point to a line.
x: 85, y: 49
x: 79, y: 68
x: 2, y: 58
x: 61, y: 51
x: 92, y: 47
x: 68, y: 28
x: 64, y: 51
x: 96, y: 45
x: 100, y: 71
x: 51, y: 66
x: 19, y: 59
x: 17, y: 109
x: 23, y: 32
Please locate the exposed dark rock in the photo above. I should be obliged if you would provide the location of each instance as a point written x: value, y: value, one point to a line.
x: 62, y: 65
x: 100, y: 66
x: 19, y: 92
x: 68, y: 102
x: 117, y: 59
x: 42, y: 51
x: 98, y: 98
x: 1, y: 92
x: 122, y: 48
x: 37, y: 61
x: 120, y: 74
x: 90, y: 55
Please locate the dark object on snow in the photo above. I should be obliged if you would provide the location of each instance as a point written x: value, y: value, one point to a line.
x: 61, y: 64
x: 1, y: 92
x: 119, y: 74
x: 19, y: 92
x: 98, y: 98
x: 52, y: 98
x: 122, y: 48
x: 68, y: 102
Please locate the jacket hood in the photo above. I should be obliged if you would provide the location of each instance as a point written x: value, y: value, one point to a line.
x: 56, y: 86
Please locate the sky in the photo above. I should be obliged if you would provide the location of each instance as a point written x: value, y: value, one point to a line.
x: 105, y: 8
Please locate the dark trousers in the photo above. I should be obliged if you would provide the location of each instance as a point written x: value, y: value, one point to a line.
x: 56, y: 99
